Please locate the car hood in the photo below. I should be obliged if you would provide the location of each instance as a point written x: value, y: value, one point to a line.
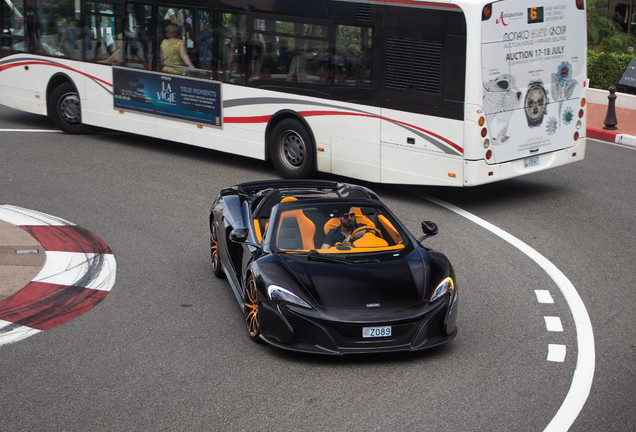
x: 397, y: 282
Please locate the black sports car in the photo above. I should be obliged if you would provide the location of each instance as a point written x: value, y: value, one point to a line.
x: 305, y: 287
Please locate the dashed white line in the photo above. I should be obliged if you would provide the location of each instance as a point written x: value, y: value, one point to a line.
x: 544, y: 296
x: 584, y: 370
x: 556, y: 353
x: 553, y: 324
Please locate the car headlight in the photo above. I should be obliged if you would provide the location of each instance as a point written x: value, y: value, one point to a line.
x: 277, y: 294
x: 445, y: 286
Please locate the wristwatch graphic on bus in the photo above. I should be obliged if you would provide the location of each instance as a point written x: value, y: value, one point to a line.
x: 536, y: 103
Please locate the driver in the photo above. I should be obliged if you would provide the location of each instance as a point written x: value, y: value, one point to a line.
x: 342, y: 233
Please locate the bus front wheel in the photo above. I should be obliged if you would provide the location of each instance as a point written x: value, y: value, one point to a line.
x: 64, y: 109
x: 292, y: 149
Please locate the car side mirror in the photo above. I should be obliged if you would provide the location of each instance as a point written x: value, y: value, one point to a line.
x: 239, y: 235
x: 429, y: 229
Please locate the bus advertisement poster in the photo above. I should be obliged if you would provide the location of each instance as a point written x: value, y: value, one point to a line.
x: 167, y: 95
x: 534, y: 71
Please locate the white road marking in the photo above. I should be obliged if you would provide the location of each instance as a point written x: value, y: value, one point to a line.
x: 11, y: 333
x: 94, y: 271
x: 543, y: 296
x: 553, y: 324
x: 556, y: 353
x: 32, y: 130
x: 585, y: 362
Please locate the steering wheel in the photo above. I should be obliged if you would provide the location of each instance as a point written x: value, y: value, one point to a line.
x: 367, y: 228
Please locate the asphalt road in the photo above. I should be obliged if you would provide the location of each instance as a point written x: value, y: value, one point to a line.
x: 166, y: 349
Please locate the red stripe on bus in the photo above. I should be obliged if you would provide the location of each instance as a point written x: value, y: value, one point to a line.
x: 255, y: 119
x: 265, y: 119
x: 43, y: 306
x: 441, y: 138
x: 29, y: 63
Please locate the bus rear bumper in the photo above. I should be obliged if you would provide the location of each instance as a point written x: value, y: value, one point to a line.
x: 479, y: 172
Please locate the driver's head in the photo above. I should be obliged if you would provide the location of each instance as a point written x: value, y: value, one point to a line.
x: 348, y: 219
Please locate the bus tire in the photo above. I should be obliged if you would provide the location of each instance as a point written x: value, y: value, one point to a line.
x: 292, y: 149
x: 64, y: 109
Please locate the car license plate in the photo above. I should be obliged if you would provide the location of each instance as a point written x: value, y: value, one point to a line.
x: 531, y: 161
x: 373, y: 332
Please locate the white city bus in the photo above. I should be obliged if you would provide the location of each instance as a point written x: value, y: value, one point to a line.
x: 447, y: 92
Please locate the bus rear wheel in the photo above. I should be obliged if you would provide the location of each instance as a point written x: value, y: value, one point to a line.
x: 292, y: 149
x: 65, y: 110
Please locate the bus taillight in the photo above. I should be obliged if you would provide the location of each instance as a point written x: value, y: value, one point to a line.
x: 488, y: 154
x: 580, y: 4
x: 576, y: 136
x: 486, y: 12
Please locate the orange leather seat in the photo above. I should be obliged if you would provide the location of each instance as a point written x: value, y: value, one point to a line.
x: 295, y: 231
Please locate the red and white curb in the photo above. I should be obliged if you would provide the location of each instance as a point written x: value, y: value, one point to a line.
x: 78, y: 273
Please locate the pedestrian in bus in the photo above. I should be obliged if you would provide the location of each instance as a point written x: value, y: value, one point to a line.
x: 174, y: 52
x: 204, y: 45
x: 33, y: 30
x: 117, y: 57
x: 60, y: 25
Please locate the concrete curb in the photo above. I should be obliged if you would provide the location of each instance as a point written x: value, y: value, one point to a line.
x: 611, y: 136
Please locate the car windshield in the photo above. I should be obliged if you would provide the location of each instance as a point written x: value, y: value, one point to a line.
x: 333, y: 227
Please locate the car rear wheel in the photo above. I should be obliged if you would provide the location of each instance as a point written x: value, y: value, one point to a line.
x: 251, y: 308
x: 214, y: 252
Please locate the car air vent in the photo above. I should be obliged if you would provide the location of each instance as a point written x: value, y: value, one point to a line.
x: 413, y: 65
x: 364, y: 12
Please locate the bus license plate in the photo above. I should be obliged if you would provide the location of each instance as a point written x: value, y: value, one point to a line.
x: 373, y: 332
x: 531, y: 161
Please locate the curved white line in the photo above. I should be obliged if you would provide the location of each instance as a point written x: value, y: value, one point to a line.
x: 584, y: 371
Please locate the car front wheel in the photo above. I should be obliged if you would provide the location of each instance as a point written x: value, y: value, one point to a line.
x: 251, y: 309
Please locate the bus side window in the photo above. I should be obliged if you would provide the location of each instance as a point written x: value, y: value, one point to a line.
x: 102, y: 33
x: 58, y: 34
x: 137, y: 38
x: 289, y: 51
x: 13, y: 31
x: 231, y: 37
x: 354, y: 56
